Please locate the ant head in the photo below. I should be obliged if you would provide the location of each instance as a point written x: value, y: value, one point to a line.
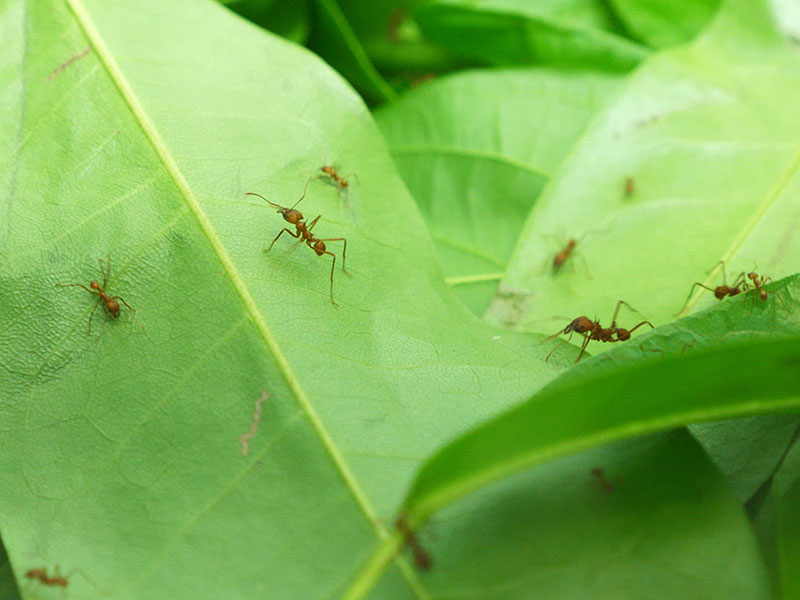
x: 327, y: 169
x: 581, y: 325
x: 752, y: 276
x: 291, y: 215
x: 94, y: 285
x: 113, y: 307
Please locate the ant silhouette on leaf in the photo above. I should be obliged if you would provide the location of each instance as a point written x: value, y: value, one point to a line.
x: 59, y: 580
x: 304, y: 234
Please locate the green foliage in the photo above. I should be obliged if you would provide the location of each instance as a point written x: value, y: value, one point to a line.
x: 131, y: 135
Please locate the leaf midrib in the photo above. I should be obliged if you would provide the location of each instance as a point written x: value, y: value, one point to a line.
x: 115, y: 73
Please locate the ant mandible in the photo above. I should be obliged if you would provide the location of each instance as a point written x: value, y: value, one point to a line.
x: 721, y: 291
x: 303, y: 232
x: 421, y: 558
x: 592, y: 330
x: 110, y: 304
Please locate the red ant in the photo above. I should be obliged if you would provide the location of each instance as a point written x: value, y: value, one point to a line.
x: 340, y: 181
x: 758, y: 282
x: 600, y: 476
x: 421, y: 558
x: 562, y: 256
x: 41, y: 575
x: 592, y: 330
x: 58, y: 580
x: 721, y: 291
x: 110, y: 304
x: 303, y: 233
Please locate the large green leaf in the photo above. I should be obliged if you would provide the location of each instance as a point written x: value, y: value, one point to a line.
x: 607, y: 404
x: 571, y: 33
x: 708, y: 136
x: 475, y: 171
x: 121, y: 453
x: 661, y: 525
x: 619, y: 396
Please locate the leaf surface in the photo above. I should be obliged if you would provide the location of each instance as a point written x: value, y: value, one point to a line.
x: 475, y: 149
x: 122, y: 453
x: 712, y: 150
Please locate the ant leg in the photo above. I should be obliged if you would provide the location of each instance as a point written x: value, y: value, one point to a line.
x: 616, y: 313
x: 689, y: 297
x: 78, y: 285
x: 123, y: 301
x: 556, y: 347
x: 344, y: 251
x: 333, y: 265
x: 640, y: 324
x: 724, y: 277
x: 91, y: 315
x: 310, y: 226
x: 294, y: 235
x: 586, y: 341
x: 104, y: 272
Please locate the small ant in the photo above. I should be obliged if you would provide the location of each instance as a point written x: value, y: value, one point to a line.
x: 421, y: 558
x: 758, y: 282
x: 340, y: 181
x: 110, y: 304
x: 562, y: 256
x: 41, y: 575
x: 58, y: 580
x: 592, y: 330
x: 721, y: 291
x: 303, y: 233
x: 600, y: 476
x: 630, y: 187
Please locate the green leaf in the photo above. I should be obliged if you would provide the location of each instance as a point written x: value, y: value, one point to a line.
x: 713, y: 179
x: 661, y: 524
x: 569, y: 33
x: 747, y: 451
x: 733, y: 360
x: 664, y: 23
x: 121, y: 451
x: 474, y: 171
x: 786, y: 489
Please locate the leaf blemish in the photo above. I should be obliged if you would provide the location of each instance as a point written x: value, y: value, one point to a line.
x: 245, y: 438
x: 75, y: 57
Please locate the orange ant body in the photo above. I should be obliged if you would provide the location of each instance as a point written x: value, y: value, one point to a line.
x: 421, y: 558
x: 758, y: 282
x: 562, y: 256
x: 600, y: 476
x: 721, y: 291
x: 303, y: 232
x: 41, y: 576
x: 110, y: 304
x: 592, y: 330
x: 630, y: 186
x: 340, y: 181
